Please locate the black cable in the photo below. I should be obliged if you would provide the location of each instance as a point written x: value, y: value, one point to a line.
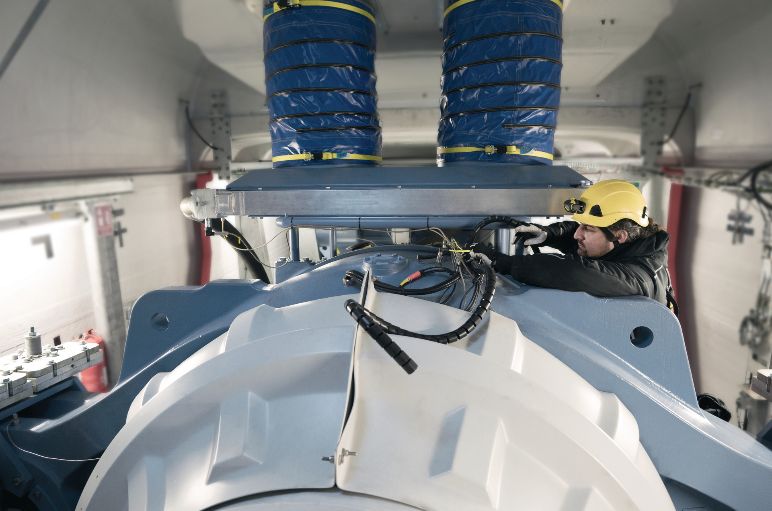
x: 476, y: 288
x: 754, y: 173
x: 354, y: 277
x: 495, y: 219
x: 447, y: 294
x: 681, y: 114
x: 380, y: 336
x: 245, y: 251
x: 750, y: 171
x: 459, y: 333
x: 193, y: 128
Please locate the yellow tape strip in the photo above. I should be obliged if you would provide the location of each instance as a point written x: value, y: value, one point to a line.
x: 460, y: 149
x: 354, y: 156
x: 539, y: 154
x: 489, y: 149
x: 326, y: 156
x: 291, y: 157
x: 458, y: 4
x: 323, y: 3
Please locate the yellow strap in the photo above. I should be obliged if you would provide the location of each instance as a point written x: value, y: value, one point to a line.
x: 321, y: 3
x: 460, y: 149
x: 459, y: 3
x: 354, y: 156
x: 490, y: 149
x: 291, y: 157
x: 539, y: 154
x: 326, y: 156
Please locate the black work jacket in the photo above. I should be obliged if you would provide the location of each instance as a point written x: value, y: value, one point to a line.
x: 635, y: 268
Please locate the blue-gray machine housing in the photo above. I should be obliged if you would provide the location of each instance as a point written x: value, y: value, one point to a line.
x: 704, y: 462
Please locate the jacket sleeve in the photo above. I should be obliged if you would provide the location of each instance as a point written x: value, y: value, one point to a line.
x: 560, y: 235
x: 575, y: 273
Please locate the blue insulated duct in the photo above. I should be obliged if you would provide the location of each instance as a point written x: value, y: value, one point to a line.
x: 320, y: 82
x: 500, y: 81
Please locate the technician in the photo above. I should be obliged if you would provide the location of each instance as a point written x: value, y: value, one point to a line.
x: 611, y: 248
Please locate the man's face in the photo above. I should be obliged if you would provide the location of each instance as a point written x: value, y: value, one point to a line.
x: 592, y: 241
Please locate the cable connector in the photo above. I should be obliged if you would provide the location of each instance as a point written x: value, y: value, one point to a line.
x: 410, y: 278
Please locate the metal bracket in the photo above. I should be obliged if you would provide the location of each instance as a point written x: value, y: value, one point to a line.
x: 738, y: 226
x: 343, y: 453
x: 45, y: 240
x: 653, y: 129
x: 220, y: 125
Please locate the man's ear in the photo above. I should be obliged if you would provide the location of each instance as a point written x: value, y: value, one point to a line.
x: 621, y: 236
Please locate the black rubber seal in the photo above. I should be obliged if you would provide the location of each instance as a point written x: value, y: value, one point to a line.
x: 503, y: 59
x: 502, y: 84
x: 495, y: 35
x: 309, y: 66
x: 318, y: 41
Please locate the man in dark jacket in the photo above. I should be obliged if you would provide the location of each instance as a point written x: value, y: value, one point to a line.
x: 611, y: 248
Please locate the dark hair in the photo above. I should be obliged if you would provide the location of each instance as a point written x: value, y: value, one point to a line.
x: 635, y: 231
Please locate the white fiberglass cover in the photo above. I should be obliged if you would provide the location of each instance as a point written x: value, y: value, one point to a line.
x: 498, y: 424
x: 493, y: 422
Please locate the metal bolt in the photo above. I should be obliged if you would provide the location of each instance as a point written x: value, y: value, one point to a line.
x: 329, y: 459
x: 343, y: 453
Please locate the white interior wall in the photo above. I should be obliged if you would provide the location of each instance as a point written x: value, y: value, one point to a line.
x: 96, y: 90
x: 52, y: 294
x: 96, y: 86
x: 724, y: 46
x: 717, y: 287
x: 159, y: 249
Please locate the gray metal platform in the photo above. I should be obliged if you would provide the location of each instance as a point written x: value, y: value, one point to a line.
x: 468, y: 190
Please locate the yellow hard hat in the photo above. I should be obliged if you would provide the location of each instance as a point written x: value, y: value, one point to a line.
x: 607, y: 202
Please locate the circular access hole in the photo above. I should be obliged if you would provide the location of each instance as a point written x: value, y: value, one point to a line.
x: 160, y: 321
x: 641, y: 336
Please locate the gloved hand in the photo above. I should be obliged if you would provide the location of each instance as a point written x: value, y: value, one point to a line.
x: 497, y: 260
x: 481, y: 256
x: 480, y: 249
x: 535, y: 235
